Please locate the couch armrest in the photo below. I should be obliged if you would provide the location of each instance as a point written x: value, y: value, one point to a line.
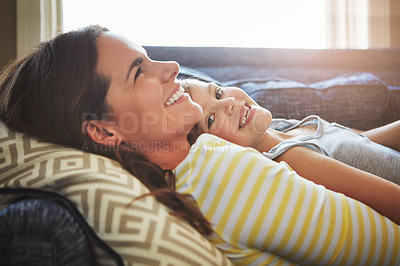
x: 39, y: 229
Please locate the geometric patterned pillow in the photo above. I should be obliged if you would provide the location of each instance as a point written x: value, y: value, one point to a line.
x: 141, y: 231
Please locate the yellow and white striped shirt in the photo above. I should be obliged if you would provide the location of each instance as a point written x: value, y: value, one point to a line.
x: 264, y: 213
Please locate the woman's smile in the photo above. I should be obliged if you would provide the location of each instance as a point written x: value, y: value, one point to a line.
x: 176, y: 97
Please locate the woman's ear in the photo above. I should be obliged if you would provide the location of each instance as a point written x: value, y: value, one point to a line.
x: 102, y: 132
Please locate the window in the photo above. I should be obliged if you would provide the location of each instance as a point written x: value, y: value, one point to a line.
x: 250, y: 23
x: 37, y: 20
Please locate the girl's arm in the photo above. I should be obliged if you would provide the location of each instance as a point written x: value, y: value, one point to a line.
x: 376, y: 192
x: 388, y: 135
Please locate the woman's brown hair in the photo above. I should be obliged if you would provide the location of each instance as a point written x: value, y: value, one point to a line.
x: 52, y: 90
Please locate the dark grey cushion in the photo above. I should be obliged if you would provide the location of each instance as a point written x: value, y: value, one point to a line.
x: 357, y: 100
x: 393, y: 110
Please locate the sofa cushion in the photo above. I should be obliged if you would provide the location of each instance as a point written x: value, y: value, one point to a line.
x: 141, y: 231
x: 356, y: 100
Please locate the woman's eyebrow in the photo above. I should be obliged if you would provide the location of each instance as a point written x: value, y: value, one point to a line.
x: 134, y: 64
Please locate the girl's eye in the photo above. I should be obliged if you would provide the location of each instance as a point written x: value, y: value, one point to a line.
x: 218, y: 93
x: 210, y: 120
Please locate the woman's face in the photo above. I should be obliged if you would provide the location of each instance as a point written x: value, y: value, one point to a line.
x: 229, y: 112
x: 144, y: 96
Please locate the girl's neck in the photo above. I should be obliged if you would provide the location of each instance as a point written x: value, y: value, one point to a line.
x: 270, y: 139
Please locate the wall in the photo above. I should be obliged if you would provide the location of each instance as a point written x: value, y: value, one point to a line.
x: 8, y: 38
x: 395, y: 23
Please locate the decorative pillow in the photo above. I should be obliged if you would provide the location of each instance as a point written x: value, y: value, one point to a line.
x: 357, y: 100
x: 141, y: 231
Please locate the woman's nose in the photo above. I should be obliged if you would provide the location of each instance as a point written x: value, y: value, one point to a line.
x: 168, y: 70
x: 227, y: 104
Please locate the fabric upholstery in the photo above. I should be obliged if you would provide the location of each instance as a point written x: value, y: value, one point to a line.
x: 41, y: 232
x: 357, y: 100
x: 306, y: 66
x: 142, y: 231
x: 303, y: 65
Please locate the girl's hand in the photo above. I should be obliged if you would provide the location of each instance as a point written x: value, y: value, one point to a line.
x: 388, y: 135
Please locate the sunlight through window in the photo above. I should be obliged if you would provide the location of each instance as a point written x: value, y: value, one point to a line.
x: 250, y: 23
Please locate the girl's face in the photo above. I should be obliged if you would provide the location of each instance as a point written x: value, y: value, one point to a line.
x: 147, y: 103
x: 229, y: 112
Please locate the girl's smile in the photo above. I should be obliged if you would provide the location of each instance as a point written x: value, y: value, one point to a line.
x: 229, y: 112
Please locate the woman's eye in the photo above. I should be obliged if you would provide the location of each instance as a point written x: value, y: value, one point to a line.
x: 138, y: 72
x: 210, y: 120
x: 218, y: 93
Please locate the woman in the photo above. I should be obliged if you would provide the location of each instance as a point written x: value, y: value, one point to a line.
x: 59, y: 93
x: 96, y: 90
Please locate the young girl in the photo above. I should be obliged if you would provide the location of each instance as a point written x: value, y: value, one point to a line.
x: 326, y: 153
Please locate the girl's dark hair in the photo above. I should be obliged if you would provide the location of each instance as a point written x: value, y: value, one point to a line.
x: 194, y: 134
x: 52, y: 90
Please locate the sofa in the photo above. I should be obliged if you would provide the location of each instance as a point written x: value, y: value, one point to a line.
x: 41, y: 182
x: 355, y: 88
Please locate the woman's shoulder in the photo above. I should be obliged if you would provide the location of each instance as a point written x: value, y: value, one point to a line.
x: 211, y: 143
x: 210, y: 149
x: 213, y: 159
x: 209, y: 138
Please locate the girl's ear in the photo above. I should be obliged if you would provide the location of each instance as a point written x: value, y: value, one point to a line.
x: 101, y: 132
